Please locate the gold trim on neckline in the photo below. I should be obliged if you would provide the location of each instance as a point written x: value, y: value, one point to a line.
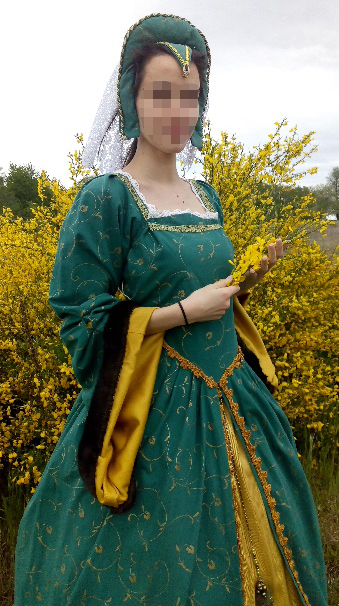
x: 199, y: 227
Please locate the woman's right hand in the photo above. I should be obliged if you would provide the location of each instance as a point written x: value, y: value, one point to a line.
x: 209, y: 302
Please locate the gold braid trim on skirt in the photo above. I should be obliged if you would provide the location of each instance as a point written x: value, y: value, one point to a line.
x: 272, y: 564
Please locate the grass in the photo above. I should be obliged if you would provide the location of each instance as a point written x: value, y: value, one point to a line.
x: 324, y: 482
x: 13, y: 501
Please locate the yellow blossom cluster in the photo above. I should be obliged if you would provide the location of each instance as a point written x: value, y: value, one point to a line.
x: 38, y: 386
x: 295, y: 305
x: 250, y: 257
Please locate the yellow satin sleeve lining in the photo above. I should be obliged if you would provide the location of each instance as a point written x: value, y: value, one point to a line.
x: 273, y: 569
x: 251, y: 337
x: 129, y: 409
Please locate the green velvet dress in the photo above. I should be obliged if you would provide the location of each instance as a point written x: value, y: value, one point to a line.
x: 176, y: 543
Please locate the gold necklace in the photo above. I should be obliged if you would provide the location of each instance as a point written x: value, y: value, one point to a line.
x: 263, y: 595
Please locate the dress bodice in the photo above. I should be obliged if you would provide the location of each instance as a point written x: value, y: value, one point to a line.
x: 170, y: 256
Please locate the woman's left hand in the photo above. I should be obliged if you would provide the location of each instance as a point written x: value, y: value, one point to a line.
x: 275, y: 251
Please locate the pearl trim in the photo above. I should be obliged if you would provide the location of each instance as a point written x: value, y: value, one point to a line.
x: 153, y: 211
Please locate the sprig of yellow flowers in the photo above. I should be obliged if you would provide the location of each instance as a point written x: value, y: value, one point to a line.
x: 251, y: 257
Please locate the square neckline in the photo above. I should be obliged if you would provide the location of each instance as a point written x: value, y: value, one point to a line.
x: 155, y: 212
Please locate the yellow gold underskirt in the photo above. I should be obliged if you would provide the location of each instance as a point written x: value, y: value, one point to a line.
x: 272, y: 566
x: 273, y: 569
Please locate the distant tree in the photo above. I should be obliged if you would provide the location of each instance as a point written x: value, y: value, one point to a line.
x: 2, y: 177
x: 327, y: 194
x: 288, y: 196
x: 6, y: 198
x: 281, y: 195
x: 19, y: 190
x: 333, y: 181
x: 22, y: 183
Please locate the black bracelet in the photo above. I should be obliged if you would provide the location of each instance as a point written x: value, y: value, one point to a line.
x: 182, y: 309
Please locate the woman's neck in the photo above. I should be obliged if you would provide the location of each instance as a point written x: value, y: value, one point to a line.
x: 150, y: 164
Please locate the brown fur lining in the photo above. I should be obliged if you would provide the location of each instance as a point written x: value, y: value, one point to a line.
x: 91, y: 443
x: 253, y: 362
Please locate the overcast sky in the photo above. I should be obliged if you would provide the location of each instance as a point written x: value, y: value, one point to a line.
x: 270, y: 60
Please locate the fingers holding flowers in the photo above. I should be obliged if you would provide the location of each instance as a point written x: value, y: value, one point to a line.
x: 275, y: 251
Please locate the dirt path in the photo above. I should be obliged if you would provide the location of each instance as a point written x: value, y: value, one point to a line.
x: 330, y: 241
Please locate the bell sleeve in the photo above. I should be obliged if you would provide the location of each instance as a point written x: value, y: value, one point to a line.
x: 113, y: 359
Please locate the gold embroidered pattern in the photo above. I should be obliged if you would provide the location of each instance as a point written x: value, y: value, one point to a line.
x: 185, y: 363
x: 198, y: 372
x: 266, y: 486
x: 190, y: 227
x: 134, y: 194
x: 242, y: 557
x: 184, y: 62
x: 202, y: 194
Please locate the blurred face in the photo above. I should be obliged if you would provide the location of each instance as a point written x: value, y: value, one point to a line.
x: 168, y: 103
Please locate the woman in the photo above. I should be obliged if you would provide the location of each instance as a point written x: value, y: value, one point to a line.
x: 176, y: 480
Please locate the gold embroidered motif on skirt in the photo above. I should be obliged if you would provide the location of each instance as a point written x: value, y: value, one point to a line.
x: 271, y: 562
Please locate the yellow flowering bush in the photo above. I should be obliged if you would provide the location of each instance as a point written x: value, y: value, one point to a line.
x: 250, y: 257
x: 37, y: 382
x: 38, y: 386
x: 294, y: 307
